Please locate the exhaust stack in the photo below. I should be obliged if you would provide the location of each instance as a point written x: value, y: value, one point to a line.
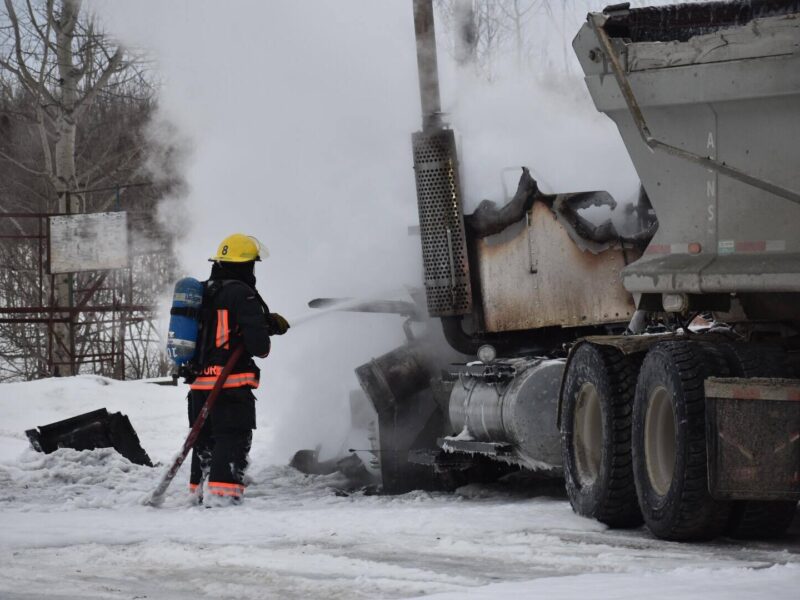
x: 427, y: 66
x: 441, y: 218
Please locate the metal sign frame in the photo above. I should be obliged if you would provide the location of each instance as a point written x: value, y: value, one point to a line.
x: 85, y: 311
x: 88, y: 242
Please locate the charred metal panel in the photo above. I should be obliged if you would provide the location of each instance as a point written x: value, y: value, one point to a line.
x: 753, y: 435
x: 409, y: 417
x: 729, y: 92
x: 398, y: 374
x: 534, y: 274
x: 444, y: 244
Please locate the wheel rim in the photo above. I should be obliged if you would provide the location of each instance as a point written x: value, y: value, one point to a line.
x: 588, y: 434
x: 659, y: 440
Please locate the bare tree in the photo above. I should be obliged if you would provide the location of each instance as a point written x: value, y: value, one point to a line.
x: 74, y: 107
x: 516, y: 13
x: 63, y: 66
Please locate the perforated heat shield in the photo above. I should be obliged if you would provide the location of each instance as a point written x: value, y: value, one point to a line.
x: 441, y: 220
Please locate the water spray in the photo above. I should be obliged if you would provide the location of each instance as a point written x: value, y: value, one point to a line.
x: 324, y: 306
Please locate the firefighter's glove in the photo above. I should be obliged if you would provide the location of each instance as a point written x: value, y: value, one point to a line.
x: 278, y: 325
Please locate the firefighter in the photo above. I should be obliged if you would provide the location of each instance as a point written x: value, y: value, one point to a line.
x: 233, y: 313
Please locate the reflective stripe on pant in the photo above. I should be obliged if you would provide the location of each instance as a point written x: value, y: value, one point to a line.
x: 220, y: 488
x: 220, y: 452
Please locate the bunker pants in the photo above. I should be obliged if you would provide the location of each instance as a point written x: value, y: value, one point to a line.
x: 220, y: 452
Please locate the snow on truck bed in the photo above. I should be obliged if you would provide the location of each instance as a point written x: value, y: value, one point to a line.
x: 72, y: 526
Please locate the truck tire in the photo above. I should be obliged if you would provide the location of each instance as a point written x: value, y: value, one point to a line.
x: 756, y: 519
x: 669, y: 441
x: 596, y: 435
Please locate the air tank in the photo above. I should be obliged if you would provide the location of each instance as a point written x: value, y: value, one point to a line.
x: 184, y: 320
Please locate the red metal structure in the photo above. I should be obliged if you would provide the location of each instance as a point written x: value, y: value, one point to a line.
x: 100, y: 309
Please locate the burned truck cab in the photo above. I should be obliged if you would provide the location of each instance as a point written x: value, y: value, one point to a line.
x: 508, y: 289
x: 521, y: 280
x: 571, y: 350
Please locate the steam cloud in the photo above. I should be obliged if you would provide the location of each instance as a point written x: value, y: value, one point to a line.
x: 300, y: 115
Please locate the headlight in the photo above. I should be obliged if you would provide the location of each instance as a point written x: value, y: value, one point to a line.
x: 676, y: 303
x: 486, y: 354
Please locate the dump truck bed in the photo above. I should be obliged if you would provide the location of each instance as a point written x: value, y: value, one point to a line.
x: 719, y: 81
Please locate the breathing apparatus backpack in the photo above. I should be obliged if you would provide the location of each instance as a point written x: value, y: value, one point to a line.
x: 188, y: 330
x: 184, y: 322
x: 190, y: 333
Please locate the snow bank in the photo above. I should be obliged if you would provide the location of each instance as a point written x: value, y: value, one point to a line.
x: 73, y: 528
x: 157, y: 413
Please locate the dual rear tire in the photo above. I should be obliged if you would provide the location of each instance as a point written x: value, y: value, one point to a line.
x: 634, y: 442
x: 669, y: 442
x: 596, y: 435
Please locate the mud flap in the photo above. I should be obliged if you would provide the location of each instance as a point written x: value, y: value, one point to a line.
x: 96, y: 429
x: 753, y: 437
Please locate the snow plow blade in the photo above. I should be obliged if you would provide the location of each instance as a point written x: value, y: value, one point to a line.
x: 96, y: 429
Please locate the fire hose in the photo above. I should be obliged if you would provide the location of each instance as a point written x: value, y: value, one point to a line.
x: 157, y: 497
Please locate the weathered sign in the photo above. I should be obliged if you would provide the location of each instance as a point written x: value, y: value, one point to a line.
x: 88, y: 242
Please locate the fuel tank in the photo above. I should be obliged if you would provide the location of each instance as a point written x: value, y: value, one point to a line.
x: 513, y: 402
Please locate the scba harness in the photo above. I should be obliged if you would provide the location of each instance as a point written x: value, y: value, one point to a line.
x: 214, y: 332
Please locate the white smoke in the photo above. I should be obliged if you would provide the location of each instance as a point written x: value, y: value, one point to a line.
x: 538, y: 114
x: 300, y: 116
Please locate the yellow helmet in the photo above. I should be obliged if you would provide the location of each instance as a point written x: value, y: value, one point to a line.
x: 239, y: 248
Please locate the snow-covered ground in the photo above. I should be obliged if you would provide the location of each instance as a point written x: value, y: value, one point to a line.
x: 72, y: 526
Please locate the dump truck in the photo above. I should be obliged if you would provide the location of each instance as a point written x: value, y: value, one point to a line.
x: 655, y: 369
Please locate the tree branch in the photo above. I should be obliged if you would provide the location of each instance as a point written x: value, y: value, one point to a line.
x: 86, y: 101
x: 45, y: 143
x: 25, y: 168
x: 22, y: 71
x: 45, y: 37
